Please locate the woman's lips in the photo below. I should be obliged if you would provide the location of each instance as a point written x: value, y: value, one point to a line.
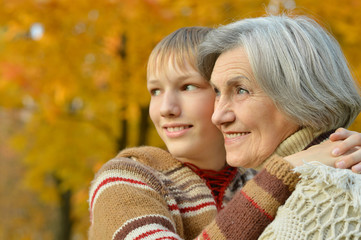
x: 234, y: 136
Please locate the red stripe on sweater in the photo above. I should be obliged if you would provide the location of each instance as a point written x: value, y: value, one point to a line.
x: 167, y: 238
x: 191, y: 209
x: 149, y: 233
x: 205, y: 235
x: 110, y: 180
x: 257, y: 206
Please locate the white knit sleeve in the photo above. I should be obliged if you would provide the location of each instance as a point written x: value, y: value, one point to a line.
x: 326, y: 204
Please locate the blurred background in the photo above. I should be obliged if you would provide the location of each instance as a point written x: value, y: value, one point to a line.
x: 73, y: 93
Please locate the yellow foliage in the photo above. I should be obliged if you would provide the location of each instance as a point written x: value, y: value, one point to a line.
x: 85, y: 73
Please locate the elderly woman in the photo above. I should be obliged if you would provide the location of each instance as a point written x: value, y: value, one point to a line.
x: 283, y: 85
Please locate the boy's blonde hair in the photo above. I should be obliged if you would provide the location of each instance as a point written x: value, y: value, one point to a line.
x: 179, y: 48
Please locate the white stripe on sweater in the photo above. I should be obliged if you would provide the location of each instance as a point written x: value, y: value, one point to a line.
x: 146, y: 228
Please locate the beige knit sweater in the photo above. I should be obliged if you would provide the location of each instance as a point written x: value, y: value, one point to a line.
x: 326, y: 203
x: 145, y: 193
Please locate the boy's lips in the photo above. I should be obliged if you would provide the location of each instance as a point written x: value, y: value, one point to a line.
x: 176, y: 125
x: 176, y: 130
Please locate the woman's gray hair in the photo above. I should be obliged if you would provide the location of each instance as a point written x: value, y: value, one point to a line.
x: 298, y: 64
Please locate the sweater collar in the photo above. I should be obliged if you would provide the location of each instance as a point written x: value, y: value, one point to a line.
x: 216, y: 181
x: 297, y: 142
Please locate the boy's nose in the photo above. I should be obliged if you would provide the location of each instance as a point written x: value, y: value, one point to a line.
x: 170, y: 106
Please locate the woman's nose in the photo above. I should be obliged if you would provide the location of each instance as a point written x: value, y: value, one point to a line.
x: 170, y: 106
x: 223, y: 113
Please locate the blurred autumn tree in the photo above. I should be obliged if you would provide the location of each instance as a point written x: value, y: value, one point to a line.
x: 72, y: 81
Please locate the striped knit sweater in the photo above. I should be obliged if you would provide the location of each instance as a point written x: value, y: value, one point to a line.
x: 146, y: 193
x: 255, y: 206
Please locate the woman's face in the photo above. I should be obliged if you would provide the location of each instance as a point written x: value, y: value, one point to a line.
x: 181, y: 107
x: 251, y: 124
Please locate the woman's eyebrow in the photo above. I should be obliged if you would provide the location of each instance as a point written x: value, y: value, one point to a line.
x: 236, y: 80
x: 233, y: 81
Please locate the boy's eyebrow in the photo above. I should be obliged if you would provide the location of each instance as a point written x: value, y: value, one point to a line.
x: 152, y: 81
x: 181, y: 77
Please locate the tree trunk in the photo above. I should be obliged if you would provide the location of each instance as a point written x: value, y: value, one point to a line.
x: 122, y: 140
x: 143, y: 126
x: 64, y: 229
x: 66, y: 224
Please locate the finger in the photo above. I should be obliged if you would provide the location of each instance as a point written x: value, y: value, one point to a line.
x: 357, y: 168
x: 350, y: 142
x: 350, y: 160
x: 341, y: 134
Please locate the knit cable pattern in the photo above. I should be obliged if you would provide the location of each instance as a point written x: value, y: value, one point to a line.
x: 325, y: 205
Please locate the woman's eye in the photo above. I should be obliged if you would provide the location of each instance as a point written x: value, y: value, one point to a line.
x: 154, y: 92
x: 216, y: 91
x: 190, y: 87
x: 241, y: 90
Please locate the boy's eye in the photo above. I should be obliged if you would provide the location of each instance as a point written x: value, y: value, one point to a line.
x: 190, y: 87
x: 154, y: 92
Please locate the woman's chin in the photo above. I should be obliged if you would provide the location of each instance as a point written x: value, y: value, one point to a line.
x: 235, y: 161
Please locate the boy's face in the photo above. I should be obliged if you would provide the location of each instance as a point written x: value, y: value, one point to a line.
x: 181, y: 107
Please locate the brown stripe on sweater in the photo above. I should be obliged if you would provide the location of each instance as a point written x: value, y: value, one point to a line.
x: 262, y: 198
x: 114, y: 207
x: 158, y: 158
x: 269, y: 183
x: 176, y: 169
x: 194, y: 187
x: 194, y: 225
x: 191, y: 181
x: 212, y: 230
x: 141, y: 222
x: 283, y: 170
x: 136, y: 168
x: 182, y: 199
x: 184, y: 174
x: 228, y: 218
x: 191, y: 186
x: 124, y: 164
